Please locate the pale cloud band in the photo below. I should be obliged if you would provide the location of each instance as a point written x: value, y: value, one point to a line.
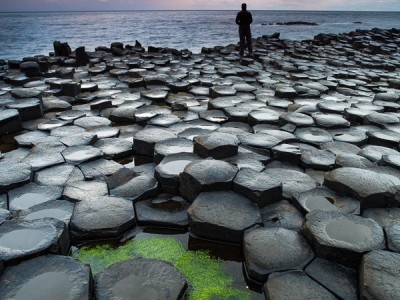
x: 51, y: 5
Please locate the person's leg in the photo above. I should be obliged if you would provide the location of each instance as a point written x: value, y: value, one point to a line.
x: 242, y: 37
x: 249, y: 42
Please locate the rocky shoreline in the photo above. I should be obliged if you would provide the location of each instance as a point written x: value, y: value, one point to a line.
x: 293, y: 154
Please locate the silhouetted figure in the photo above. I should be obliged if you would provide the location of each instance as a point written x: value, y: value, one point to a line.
x: 244, y: 19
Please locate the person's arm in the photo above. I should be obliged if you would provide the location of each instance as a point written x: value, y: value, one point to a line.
x: 238, y: 18
x: 251, y: 18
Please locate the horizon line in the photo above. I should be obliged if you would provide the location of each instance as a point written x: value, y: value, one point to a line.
x: 128, y: 10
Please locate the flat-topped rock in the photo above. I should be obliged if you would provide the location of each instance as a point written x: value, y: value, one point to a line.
x: 318, y: 159
x: 340, y: 147
x: 101, y: 217
x: 292, y: 181
x: 258, y: 187
x: 313, y: 135
x: 342, y: 237
x: 340, y: 280
x: 156, y: 95
x: 20, y: 240
x: 393, y: 237
x: 92, y: 121
x: 138, y: 188
x: 172, y: 146
x: 298, y: 119
x: 349, y: 135
x: 32, y: 194
x: 367, y: 186
x: 57, y: 209
x: 379, y: 273
x: 322, y: 198
x: 375, y: 153
x: 266, y: 251
x: 168, y: 170
x: 10, y: 121
x: 114, y: 148
x: 282, y: 214
x: 145, y: 140
x: 59, y: 277
x: 99, y: 168
x: 294, y: 285
x: 330, y: 120
x: 145, y: 278
x: 222, y: 216
x: 79, y: 139
x: 81, y: 190
x: 165, y: 211
x: 78, y: 154
x: 13, y: 174
x: 385, y: 217
x: 205, y: 176
x: 216, y: 145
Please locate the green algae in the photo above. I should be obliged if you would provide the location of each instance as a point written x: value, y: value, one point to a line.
x: 204, y: 274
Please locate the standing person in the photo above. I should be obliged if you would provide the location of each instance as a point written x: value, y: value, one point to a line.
x: 244, y: 19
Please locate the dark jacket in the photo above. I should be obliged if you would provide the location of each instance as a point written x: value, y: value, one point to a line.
x: 244, y: 19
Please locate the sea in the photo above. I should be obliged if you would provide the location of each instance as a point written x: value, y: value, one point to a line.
x: 33, y: 33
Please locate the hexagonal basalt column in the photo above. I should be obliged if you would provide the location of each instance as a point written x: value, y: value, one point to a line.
x: 143, y: 278
x: 24, y: 239
x: 342, y: 237
x: 294, y: 285
x: 259, y: 187
x: 47, y: 277
x: 101, y: 217
x: 145, y: 140
x: 217, y: 145
x: 222, y: 216
x: 367, y: 186
x: 167, y: 172
x: 379, y: 275
x: 267, y: 250
x: 204, y: 176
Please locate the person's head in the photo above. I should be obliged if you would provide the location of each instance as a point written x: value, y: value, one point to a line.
x: 244, y: 6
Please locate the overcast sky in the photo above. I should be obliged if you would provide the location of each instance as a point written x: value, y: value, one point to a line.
x: 62, y: 5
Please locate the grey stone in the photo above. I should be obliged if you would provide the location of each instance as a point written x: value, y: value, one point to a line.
x: 216, y: 145
x: 114, y: 148
x: 313, y: 135
x: 81, y: 190
x: 101, y: 217
x: 144, y: 278
x: 165, y: 211
x: 385, y: 217
x: 367, y: 186
x: 393, y: 237
x: 205, y: 176
x: 171, y: 146
x: 59, y: 277
x: 318, y: 159
x: 282, y: 214
x: 57, y: 175
x: 138, y: 188
x: 322, y: 198
x: 144, y: 141
x: 292, y: 181
x: 340, y: 280
x: 294, y: 285
x: 99, y: 168
x: 79, y: 139
x: 20, y: 240
x: 10, y: 121
x: 29, y: 109
x: 13, y: 174
x: 222, y: 216
x: 28, y: 139
x: 342, y: 237
x: 379, y: 274
x: 266, y: 251
x: 32, y: 194
x: 79, y: 154
x: 375, y: 153
x: 353, y: 161
x: 258, y: 187
x: 168, y: 170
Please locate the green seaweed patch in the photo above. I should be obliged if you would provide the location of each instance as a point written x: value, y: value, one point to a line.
x: 205, y: 275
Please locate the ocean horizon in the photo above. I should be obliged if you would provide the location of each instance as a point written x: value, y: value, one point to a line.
x: 33, y: 33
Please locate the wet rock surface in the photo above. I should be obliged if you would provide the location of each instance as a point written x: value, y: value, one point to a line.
x: 59, y: 277
x: 266, y: 251
x: 154, y: 279
x: 342, y: 237
x: 222, y: 216
x: 379, y: 273
x: 300, y: 114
